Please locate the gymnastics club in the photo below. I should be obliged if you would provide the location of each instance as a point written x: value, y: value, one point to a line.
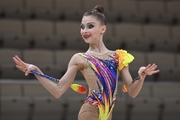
x: 76, y: 87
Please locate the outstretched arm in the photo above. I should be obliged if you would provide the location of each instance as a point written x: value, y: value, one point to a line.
x: 135, y: 87
x: 56, y: 90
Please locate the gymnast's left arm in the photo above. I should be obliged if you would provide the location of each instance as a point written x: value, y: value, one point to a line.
x: 134, y: 85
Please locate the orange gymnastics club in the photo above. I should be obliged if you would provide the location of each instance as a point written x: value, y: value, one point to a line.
x: 76, y: 87
x: 124, y: 89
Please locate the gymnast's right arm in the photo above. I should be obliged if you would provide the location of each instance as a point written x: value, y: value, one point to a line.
x: 57, y: 90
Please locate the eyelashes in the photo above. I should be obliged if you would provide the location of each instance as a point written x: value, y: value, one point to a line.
x: 82, y: 27
x: 89, y: 26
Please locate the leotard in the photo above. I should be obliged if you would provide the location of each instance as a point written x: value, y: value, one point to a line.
x: 101, y: 73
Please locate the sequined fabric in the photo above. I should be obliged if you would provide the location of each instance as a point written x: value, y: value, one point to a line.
x: 101, y: 73
x: 106, y: 71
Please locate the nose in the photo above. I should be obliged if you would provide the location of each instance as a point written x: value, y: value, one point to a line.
x: 85, y: 30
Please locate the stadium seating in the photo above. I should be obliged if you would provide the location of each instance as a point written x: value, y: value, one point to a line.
x: 52, y: 108
x: 15, y: 108
x: 171, y: 109
x: 145, y: 108
x: 156, y: 15
x: 47, y: 33
x: 41, y: 9
x: 123, y: 10
x: 129, y: 36
x: 173, y: 11
x: 11, y: 34
x: 12, y: 9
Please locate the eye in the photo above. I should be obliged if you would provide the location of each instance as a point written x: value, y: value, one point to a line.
x: 90, y: 26
x: 82, y: 27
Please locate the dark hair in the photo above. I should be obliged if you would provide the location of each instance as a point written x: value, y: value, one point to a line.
x: 98, y: 12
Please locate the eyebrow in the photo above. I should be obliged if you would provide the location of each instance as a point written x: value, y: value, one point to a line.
x: 88, y: 23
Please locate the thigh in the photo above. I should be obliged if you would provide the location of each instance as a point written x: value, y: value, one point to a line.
x: 88, y: 115
x: 88, y: 112
x: 110, y: 117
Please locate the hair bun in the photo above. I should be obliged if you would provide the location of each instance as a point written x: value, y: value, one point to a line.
x: 99, y: 8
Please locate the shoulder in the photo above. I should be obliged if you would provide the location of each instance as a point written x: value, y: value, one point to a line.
x: 77, y: 60
x: 124, y: 58
x: 123, y: 53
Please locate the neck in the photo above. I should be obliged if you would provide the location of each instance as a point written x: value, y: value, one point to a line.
x: 98, y: 47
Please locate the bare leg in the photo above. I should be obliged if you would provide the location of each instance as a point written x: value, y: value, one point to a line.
x: 88, y: 112
x: 88, y: 115
x: 110, y: 117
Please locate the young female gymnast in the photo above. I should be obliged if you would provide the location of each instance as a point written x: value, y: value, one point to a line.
x: 99, y: 66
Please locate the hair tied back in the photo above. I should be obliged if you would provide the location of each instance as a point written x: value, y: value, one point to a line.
x: 99, y: 8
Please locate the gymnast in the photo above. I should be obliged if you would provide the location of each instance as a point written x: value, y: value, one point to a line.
x: 100, y: 67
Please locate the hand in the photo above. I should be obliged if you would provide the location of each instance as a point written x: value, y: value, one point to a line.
x: 148, y: 70
x: 24, y: 67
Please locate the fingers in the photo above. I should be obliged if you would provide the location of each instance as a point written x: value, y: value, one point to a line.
x: 18, y: 59
x: 15, y: 60
x: 151, y: 69
x: 156, y: 71
x: 27, y: 71
x: 20, y: 64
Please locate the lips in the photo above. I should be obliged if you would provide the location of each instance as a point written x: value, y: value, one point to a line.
x: 86, y: 36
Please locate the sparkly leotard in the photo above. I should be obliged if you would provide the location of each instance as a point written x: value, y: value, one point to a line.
x: 101, y: 73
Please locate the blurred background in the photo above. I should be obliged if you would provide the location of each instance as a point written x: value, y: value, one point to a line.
x: 47, y: 33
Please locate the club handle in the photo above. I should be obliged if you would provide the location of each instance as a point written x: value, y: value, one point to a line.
x: 46, y: 76
x: 82, y: 89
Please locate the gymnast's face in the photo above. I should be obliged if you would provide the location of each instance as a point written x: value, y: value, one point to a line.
x: 91, y: 29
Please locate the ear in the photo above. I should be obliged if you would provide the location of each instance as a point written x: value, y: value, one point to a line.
x: 103, y: 29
